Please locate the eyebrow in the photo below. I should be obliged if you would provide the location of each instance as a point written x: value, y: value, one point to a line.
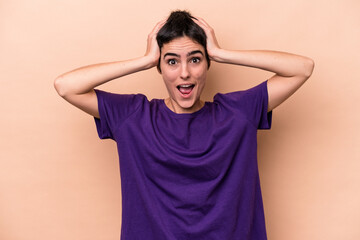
x: 189, y: 54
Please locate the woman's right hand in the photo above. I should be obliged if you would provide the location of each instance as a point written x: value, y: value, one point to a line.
x: 77, y: 86
x: 152, y: 50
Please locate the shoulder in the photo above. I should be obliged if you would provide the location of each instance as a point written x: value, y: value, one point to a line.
x: 243, y: 96
x: 120, y: 104
x: 121, y: 100
x: 109, y: 96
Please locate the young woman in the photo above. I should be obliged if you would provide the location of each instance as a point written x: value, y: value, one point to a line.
x: 188, y: 167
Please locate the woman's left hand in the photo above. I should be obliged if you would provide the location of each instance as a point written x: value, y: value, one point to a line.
x: 211, y: 42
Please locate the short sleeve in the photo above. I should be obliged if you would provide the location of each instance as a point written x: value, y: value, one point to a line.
x: 253, y: 103
x: 113, y: 110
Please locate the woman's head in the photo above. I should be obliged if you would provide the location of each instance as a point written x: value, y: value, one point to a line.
x: 181, y: 24
x: 183, y: 61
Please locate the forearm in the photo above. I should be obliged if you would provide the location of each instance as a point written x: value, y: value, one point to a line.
x: 84, y: 79
x: 281, y: 63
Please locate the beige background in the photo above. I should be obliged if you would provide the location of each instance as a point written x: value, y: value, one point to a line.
x: 59, y: 181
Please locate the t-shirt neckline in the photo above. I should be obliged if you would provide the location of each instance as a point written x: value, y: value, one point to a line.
x: 183, y: 115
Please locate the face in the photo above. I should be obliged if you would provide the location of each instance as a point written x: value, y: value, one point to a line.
x: 183, y: 68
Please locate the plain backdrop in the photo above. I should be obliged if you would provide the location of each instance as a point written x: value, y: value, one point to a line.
x: 58, y: 180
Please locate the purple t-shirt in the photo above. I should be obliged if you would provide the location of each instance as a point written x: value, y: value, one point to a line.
x: 188, y: 176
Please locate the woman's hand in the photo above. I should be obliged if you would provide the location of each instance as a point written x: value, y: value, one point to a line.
x: 291, y: 71
x: 211, y: 42
x: 152, y: 50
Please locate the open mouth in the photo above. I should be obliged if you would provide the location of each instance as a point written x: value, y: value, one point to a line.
x: 185, y: 89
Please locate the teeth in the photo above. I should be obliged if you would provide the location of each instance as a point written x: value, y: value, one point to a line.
x: 186, y: 85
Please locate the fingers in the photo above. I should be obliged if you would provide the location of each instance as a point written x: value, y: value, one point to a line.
x: 152, y: 50
x: 158, y: 26
x: 152, y: 35
x: 211, y: 42
x: 202, y: 23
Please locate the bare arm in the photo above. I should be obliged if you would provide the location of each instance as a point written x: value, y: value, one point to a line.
x: 291, y: 71
x: 77, y: 86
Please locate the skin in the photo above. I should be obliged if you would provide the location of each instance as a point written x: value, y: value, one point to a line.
x: 290, y: 71
x: 183, y: 62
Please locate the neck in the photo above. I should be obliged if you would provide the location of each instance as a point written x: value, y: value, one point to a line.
x: 173, y: 106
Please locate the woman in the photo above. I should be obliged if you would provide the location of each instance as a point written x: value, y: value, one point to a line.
x: 188, y: 167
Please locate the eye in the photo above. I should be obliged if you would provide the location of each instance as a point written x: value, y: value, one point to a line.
x: 171, y: 61
x: 195, y: 60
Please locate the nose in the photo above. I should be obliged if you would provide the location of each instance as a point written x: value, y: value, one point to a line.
x: 185, y: 74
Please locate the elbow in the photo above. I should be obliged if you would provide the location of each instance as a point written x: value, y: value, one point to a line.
x: 309, y: 65
x: 59, y: 86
